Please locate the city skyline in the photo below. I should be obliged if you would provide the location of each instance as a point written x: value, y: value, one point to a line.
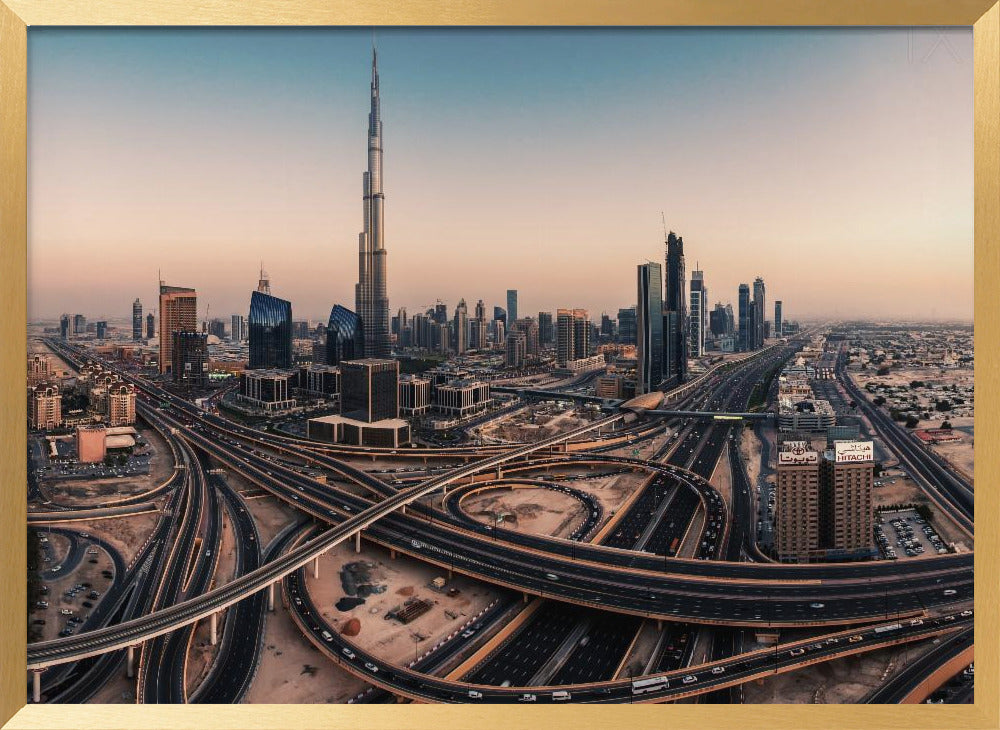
x: 81, y: 212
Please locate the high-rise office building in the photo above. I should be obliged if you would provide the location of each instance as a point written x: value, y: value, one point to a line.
x: 371, y: 298
x: 698, y: 316
x: 607, y: 327
x: 64, y: 326
x: 717, y: 321
x: 101, y: 328
x: 777, y: 318
x: 344, y: 336
x: 189, y: 356
x: 500, y: 328
x: 461, y: 327
x: 845, y: 502
x: 516, y: 350
x: 546, y: 333
x: 649, y: 326
x: 674, y: 301
x: 79, y: 324
x: 628, y: 326
x: 178, y: 313
x: 477, y: 334
x: 270, y: 331
x: 529, y: 328
x: 796, y: 517
x: 421, y: 330
x: 511, y: 306
x: 500, y: 313
x: 150, y: 326
x: 480, y: 310
x: 369, y: 389
x: 217, y: 327
x: 572, y: 335
x: 238, y: 330
x: 745, y: 339
x: 759, y: 311
x: 137, y: 319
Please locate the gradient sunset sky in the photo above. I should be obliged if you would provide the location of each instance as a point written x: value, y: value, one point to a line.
x: 837, y: 164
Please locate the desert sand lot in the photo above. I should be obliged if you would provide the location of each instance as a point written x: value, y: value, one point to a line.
x: 403, y: 578
x: 528, y: 509
x: 846, y: 680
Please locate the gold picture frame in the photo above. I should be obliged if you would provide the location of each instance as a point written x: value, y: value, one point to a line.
x: 16, y: 16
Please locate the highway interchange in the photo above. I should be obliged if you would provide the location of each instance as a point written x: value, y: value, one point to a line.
x: 634, y: 570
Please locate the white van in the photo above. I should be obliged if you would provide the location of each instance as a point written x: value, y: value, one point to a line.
x: 561, y: 696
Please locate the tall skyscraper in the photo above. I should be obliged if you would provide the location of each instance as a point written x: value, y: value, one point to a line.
x: 796, y: 519
x: 675, y: 302
x: 500, y: 313
x: 480, y: 310
x: 344, y: 336
x: 649, y: 327
x: 511, y: 306
x: 370, y: 389
x: 371, y: 299
x: 698, y: 315
x: 745, y: 339
x: 137, y: 319
x: 270, y: 328
x: 178, y: 313
x: 79, y: 324
x: 717, y: 320
x: 627, y: 324
x: 572, y: 335
x: 529, y: 328
x: 101, y: 329
x: 777, y: 318
x: 238, y: 333
x: 759, y: 311
x: 188, y: 356
x: 546, y: 334
x: 64, y: 326
x: 461, y: 327
x: 150, y: 326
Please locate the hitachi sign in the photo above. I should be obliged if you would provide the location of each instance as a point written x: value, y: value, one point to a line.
x: 846, y: 452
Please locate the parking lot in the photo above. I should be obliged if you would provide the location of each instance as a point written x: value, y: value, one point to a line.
x: 903, y: 534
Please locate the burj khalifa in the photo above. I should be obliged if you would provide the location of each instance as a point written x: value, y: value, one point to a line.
x: 371, y: 302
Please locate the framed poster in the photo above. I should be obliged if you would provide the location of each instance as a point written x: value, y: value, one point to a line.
x: 289, y: 472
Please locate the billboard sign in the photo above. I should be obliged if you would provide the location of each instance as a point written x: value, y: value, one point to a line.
x: 846, y: 452
x: 798, y: 457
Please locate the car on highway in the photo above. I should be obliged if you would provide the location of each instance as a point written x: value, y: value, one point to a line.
x: 348, y: 653
x: 718, y: 670
x: 965, y: 614
x: 561, y: 696
x: 371, y: 667
x: 797, y: 652
x: 816, y: 605
x: 856, y: 638
x: 475, y: 694
x: 527, y: 697
x: 950, y: 592
x: 917, y: 622
x: 689, y: 679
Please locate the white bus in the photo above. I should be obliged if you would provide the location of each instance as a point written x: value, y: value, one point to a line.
x: 652, y: 684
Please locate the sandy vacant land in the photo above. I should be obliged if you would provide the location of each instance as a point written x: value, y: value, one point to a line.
x: 127, y: 533
x: 271, y: 515
x: 612, y: 491
x: 845, y: 680
x: 960, y: 454
x: 528, y: 509
x: 292, y: 670
x: 403, y: 578
x: 536, y: 424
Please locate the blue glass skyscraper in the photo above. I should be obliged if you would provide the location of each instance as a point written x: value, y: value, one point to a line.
x: 345, y: 337
x: 270, y: 329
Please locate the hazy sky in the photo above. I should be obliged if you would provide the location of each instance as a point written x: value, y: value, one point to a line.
x: 837, y: 164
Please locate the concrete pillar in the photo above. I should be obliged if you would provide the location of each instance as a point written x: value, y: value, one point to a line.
x: 659, y: 624
x: 213, y: 628
x: 449, y: 573
x: 392, y: 554
x: 499, y: 472
x: 403, y: 510
x: 357, y: 541
x: 36, y: 686
x: 270, y: 597
x: 316, y: 568
x: 130, y: 663
x: 525, y: 596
